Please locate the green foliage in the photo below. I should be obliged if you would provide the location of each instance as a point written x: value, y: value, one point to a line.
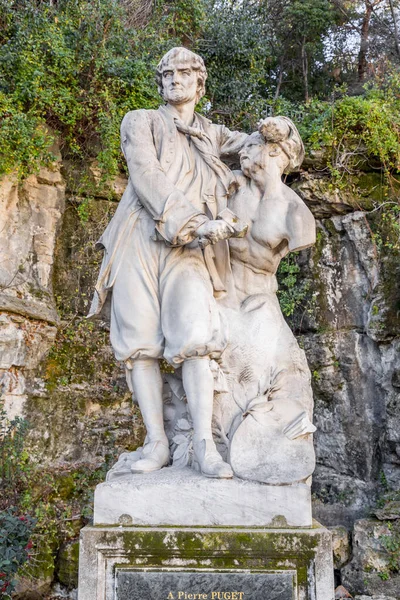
x: 392, y: 545
x: 76, y: 355
x: 256, y: 51
x: 239, y: 62
x: 15, y: 547
x: 23, y: 138
x: 15, y: 525
x: 14, y: 459
x: 292, y: 292
x: 355, y: 132
x: 75, y: 67
x: 385, y: 228
x: 40, y: 508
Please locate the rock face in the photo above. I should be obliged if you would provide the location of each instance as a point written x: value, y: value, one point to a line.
x: 371, y: 568
x: 348, y: 324
x: 340, y: 546
x: 352, y: 349
x: 30, y: 215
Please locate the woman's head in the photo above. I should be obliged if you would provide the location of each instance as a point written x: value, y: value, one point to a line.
x: 277, y: 139
x: 281, y: 136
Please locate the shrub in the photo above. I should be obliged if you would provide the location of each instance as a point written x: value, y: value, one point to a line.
x: 15, y: 546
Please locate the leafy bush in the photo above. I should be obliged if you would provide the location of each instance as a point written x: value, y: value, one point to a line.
x: 76, y: 68
x: 15, y: 525
x: 292, y: 292
x: 14, y: 459
x: 15, y: 547
x: 355, y: 132
x: 40, y: 508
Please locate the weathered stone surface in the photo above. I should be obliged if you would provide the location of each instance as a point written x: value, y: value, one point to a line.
x: 326, y: 199
x: 340, y: 546
x: 30, y: 214
x: 346, y: 381
x: 354, y: 358
x: 23, y: 344
x: 146, y: 500
x: 306, y: 552
x: 81, y: 423
x: 390, y: 512
x: 87, y: 180
x: 380, y: 597
x: 77, y: 260
x: 323, y: 198
x: 370, y: 570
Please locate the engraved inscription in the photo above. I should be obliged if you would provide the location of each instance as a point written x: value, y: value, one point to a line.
x: 204, y: 585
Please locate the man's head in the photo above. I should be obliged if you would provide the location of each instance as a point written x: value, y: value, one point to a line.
x: 181, y: 76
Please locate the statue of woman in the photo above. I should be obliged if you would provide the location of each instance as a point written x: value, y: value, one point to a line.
x: 263, y: 418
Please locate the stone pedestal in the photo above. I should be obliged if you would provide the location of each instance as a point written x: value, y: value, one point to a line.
x: 175, y: 535
x: 176, y: 496
x: 205, y: 563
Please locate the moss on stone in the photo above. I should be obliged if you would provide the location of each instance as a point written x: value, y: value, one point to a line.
x: 228, y: 546
x: 67, y: 565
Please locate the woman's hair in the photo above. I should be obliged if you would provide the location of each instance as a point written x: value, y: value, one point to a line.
x: 195, y: 62
x: 282, y: 132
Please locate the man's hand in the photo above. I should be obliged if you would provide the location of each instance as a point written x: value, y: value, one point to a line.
x: 212, y: 232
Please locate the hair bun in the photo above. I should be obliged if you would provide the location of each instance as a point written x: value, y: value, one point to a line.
x: 282, y: 131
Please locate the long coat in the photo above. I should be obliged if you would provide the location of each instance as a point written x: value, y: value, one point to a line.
x: 147, y: 141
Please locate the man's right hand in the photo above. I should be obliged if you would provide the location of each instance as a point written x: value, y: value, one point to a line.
x: 212, y: 232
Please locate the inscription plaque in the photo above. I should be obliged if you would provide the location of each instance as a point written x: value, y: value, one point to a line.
x: 204, y: 585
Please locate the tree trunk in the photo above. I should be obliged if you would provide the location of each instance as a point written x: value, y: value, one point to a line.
x: 278, y: 86
x: 396, y: 31
x: 362, y: 55
x: 304, y: 62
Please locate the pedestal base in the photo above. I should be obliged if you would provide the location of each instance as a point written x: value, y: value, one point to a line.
x: 213, y: 563
x: 175, y: 496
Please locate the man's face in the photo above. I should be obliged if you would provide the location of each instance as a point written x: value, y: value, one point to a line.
x: 179, y: 82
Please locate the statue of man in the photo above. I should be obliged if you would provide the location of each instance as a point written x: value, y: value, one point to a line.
x: 164, y: 283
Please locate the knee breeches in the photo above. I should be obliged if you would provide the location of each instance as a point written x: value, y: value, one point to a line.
x: 163, y: 303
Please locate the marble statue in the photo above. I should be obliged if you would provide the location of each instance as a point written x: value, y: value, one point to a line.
x: 190, y: 257
x: 265, y: 416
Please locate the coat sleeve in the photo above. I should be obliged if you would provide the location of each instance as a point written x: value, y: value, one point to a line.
x: 167, y: 205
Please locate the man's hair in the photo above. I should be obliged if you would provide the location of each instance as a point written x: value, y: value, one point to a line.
x: 195, y: 62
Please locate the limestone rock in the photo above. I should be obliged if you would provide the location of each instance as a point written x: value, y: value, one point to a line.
x: 87, y: 180
x: 30, y: 214
x: 340, y: 546
x: 322, y: 198
x: 346, y: 372
x: 77, y: 260
x: 390, y: 512
x: 23, y: 344
x: 354, y: 358
x: 369, y: 571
